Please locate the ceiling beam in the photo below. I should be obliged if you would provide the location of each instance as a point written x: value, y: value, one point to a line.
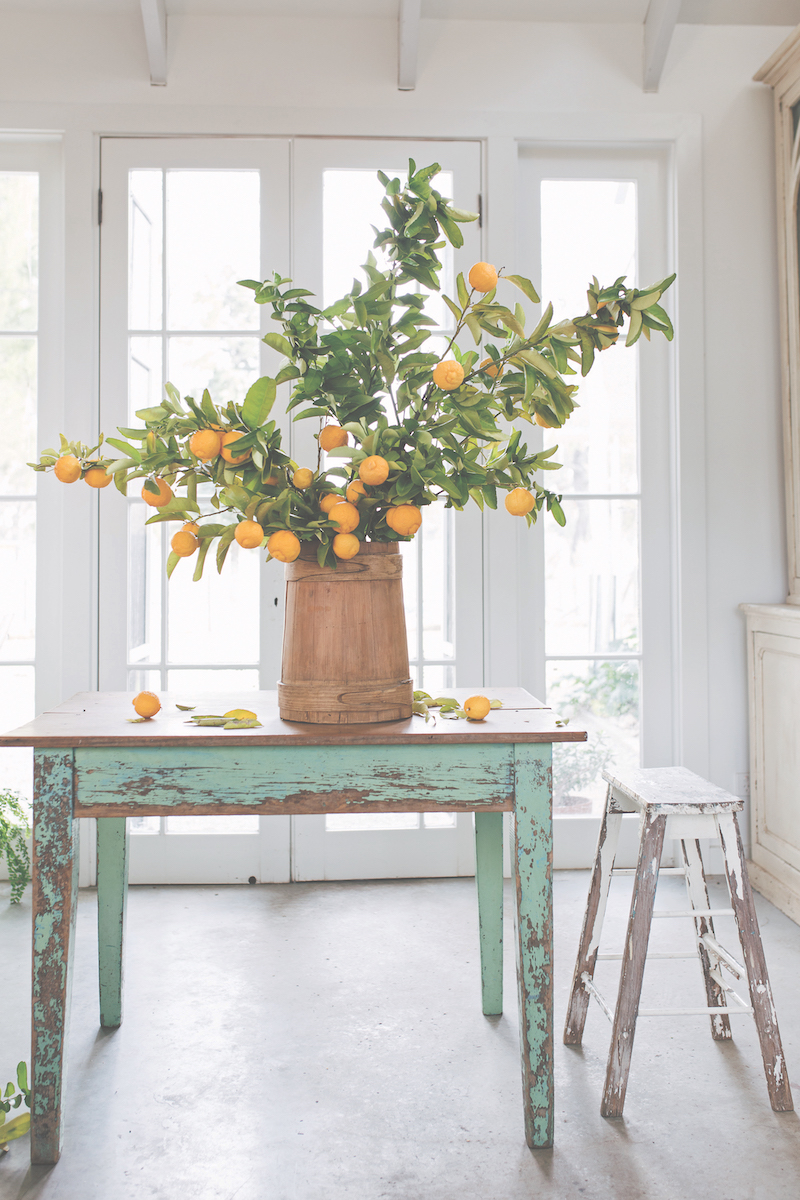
x: 154, y: 18
x: 407, y: 44
x: 659, y: 24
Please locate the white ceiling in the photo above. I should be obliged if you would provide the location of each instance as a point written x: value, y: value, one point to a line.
x: 695, y: 12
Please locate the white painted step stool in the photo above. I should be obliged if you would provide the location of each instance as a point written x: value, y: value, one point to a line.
x: 676, y: 803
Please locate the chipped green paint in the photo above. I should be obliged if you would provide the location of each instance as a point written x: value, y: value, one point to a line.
x: 112, y: 898
x: 281, y: 779
x: 55, y: 894
x: 532, y: 868
x: 489, y: 880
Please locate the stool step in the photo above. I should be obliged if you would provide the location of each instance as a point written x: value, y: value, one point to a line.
x: 692, y: 1012
x: 694, y: 912
x: 730, y: 962
x: 665, y: 954
x: 661, y: 870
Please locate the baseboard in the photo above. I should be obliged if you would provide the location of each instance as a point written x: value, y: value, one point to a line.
x: 774, y: 890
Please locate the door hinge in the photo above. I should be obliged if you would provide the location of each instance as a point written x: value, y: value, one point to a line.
x: 99, y: 206
x: 480, y: 211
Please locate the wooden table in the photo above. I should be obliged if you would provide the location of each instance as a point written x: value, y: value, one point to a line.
x: 89, y: 762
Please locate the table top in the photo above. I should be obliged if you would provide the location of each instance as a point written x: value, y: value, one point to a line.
x: 102, y: 719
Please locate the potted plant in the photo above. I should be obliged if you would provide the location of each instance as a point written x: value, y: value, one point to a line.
x: 401, y: 426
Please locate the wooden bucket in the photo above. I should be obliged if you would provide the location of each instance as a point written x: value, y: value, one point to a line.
x: 345, y: 654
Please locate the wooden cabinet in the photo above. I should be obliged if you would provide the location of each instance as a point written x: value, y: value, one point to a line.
x: 773, y: 630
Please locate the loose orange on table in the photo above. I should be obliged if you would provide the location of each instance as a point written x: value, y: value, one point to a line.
x: 477, y: 707
x: 146, y: 704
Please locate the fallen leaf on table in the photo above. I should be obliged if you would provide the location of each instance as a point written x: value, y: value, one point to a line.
x: 186, y: 707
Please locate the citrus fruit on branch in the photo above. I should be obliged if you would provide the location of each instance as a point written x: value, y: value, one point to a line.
x: 410, y: 411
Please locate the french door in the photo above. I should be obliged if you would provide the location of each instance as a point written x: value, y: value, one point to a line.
x: 183, y: 220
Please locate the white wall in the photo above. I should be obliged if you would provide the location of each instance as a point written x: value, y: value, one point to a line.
x: 500, y: 81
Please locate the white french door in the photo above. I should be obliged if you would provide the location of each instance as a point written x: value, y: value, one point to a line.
x: 603, y: 654
x: 183, y: 219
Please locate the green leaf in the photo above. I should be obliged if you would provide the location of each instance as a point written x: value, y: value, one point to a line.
x: 153, y: 415
x: 10, y: 1090
x: 451, y: 304
x: 495, y: 704
x: 224, y: 546
x: 258, y: 402
x: 201, y: 559
x: 207, y: 407
x: 130, y: 451
x: 186, y: 707
x: 279, y: 343
x: 524, y: 285
x: 635, y: 328
x: 463, y: 294
x: 15, y: 1128
x: 22, y: 1076
x: 558, y: 512
x: 172, y: 562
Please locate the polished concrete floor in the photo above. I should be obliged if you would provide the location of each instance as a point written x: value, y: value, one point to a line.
x: 317, y: 1041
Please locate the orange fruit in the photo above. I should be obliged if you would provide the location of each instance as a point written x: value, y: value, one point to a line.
x: 205, y: 444
x: 184, y: 543
x: 374, y: 470
x: 233, y: 435
x: 545, y: 424
x: 482, y: 277
x: 476, y: 708
x: 345, y: 515
x: 284, y: 545
x: 448, y: 375
x: 332, y: 436
x: 147, y: 704
x: 249, y: 534
x: 67, y: 468
x: 303, y: 478
x: 346, y: 545
x: 355, y: 491
x: 96, y: 477
x: 164, y: 494
x: 520, y: 501
x: 404, y: 519
x: 190, y: 527
x: 491, y: 368
x: 327, y: 502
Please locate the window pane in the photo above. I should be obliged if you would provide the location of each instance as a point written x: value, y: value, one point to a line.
x: 220, y: 212
x: 353, y: 822
x: 144, y: 681
x: 410, y: 553
x: 226, y: 366
x: 592, y: 578
x: 193, y: 684
x: 589, y: 227
x: 603, y: 698
x: 147, y: 825
x: 145, y: 240
x: 16, y: 707
x: 18, y: 414
x: 437, y: 680
x: 145, y: 385
x: 18, y: 570
x: 19, y: 250
x: 145, y: 582
x: 436, y: 548
x: 439, y: 820
x: 244, y: 824
x: 216, y: 620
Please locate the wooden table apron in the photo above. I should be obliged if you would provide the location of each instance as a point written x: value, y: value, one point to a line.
x: 112, y: 782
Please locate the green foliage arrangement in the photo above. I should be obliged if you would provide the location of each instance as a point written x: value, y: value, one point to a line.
x: 448, y: 426
x: 12, y: 1097
x: 14, y: 831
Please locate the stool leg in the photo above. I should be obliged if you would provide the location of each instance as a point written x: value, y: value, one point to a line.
x: 630, y: 984
x: 698, y: 898
x: 489, y: 880
x: 592, y: 923
x: 112, y: 896
x: 780, y: 1093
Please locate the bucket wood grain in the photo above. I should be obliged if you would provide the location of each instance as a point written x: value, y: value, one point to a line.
x: 345, y: 653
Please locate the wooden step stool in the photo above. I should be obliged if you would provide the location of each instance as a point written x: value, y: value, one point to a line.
x: 674, y: 802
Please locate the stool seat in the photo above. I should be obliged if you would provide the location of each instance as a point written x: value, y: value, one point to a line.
x: 672, y: 801
x: 670, y: 790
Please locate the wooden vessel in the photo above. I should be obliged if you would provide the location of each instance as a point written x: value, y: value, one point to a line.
x: 345, y: 654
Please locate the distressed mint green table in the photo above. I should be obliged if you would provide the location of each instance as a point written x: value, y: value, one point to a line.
x: 89, y: 762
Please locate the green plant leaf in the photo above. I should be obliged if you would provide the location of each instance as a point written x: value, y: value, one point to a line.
x: 524, y: 285
x: 186, y: 707
x: 172, y: 561
x: 279, y: 343
x: 258, y: 402
x: 15, y: 1128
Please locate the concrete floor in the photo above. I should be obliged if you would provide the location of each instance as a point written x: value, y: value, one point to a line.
x: 317, y: 1041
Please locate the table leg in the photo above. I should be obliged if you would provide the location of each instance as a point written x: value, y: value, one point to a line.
x: 112, y: 898
x: 55, y: 895
x: 532, y: 861
x: 489, y: 880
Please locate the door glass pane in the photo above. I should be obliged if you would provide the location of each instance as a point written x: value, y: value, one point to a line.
x: 353, y: 822
x: 603, y: 698
x: 214, y: 621
x: 592, y: 578
x: 226, y: 366
x: 217, y: 211
x: 18, y: 414
x: 16, y: 708
x: 216, y: 825
x: 145, y: 243
x: 18, y: 570
x: 19, y: 250
x: 192, y: 684
x: 592, y: 568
